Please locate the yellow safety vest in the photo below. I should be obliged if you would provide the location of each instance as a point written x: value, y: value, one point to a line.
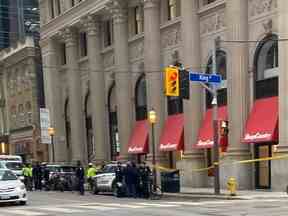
x: 91, y: 172
x: 25, y: 171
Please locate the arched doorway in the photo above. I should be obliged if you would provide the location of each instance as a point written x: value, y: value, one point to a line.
x: 68, y: 129
x: 265, y: 87
x: 113, y: 123
x: 89, y: 129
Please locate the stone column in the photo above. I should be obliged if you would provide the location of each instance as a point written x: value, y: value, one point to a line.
x: 97, y: 86
x: 52, y: 90
x: 279, y: 172
x: 119, y: 13
x: 192, y: 108
x: 75, y: 97
x: 152, y: 66
x: 237, y: 24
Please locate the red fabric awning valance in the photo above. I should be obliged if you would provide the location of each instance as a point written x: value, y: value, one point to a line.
x: 262, y: 124
x: 205, y: 135
x: 172, y: 135
x: 138, y: 143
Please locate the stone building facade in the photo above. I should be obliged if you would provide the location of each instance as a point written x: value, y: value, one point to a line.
x: 20, y: 88
x: 103, y: 70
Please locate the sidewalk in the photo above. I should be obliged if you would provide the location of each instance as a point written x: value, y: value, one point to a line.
x: 208, y: 193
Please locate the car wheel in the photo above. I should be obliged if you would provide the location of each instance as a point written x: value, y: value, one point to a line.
x: 95, y: 190
x: 115, y: 190
x: 22, y: 203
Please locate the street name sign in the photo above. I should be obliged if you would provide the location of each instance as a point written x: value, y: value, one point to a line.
x: 205, y: 78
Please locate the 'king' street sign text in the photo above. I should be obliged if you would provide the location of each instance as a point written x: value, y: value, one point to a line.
x: 205, y: 78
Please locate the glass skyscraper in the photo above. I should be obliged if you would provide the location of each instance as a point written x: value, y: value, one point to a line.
x: 18, y: 18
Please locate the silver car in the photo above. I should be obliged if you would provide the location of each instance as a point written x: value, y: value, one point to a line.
x: 11, y: 188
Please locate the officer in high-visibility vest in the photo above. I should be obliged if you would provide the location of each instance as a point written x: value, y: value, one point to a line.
x: 27, y: 173
x: 91, y: 172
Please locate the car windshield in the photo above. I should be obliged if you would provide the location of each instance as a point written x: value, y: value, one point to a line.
x: 108, y: 169
x: 67, y: 169
x: 14, y: 165
x: 7, y: 175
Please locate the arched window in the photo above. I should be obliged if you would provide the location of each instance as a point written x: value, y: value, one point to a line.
x: 113, y: 123
x: 267, y: 58
x: 67, y: 124
x: 266, y: 67
x: 89, y: 128
x: 141, y: 98
x: 222, y: 70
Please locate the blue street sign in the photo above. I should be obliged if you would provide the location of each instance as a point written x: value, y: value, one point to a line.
x: 205, y: 78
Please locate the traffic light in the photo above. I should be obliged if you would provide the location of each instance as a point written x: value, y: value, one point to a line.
x: 184, y: 84
x: 172, y: 81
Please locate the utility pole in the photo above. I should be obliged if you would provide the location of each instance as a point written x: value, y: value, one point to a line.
x: 215, y: 121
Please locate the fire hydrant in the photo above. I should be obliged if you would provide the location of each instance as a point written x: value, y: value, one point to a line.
x: 232, y: 186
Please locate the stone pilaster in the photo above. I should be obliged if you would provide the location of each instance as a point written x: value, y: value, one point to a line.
x: 52, y: 96
x: 119, y: 13
x: 237, y: 24
x: 75, y: 101
x: 97, y: 86
x: 192, y: 108
x: 279, y: 172
x: 152, y: 65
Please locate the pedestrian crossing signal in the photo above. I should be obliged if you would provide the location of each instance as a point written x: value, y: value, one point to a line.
x: 172, y: 81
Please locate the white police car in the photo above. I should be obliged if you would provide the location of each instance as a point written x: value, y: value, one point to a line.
x: 11, y: 188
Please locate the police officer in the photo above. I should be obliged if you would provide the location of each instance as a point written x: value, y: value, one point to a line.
x: 144, y: 175
x: 91, y: 172
x: 37, y: 176
x: 27, y: 173
x: 80, y: 175
x: 119, y: 173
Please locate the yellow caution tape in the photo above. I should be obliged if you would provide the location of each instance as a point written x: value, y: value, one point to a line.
x: 162, y: 168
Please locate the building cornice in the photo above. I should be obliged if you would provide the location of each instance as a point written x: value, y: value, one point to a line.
x: 72, y: 17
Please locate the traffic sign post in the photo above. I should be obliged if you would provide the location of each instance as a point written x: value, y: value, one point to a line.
x: 212, y: 79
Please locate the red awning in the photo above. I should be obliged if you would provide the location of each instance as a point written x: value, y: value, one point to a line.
x: 205, y: 135
x: 172, y: 135
x: 138, y: 143
x: 262, y: 124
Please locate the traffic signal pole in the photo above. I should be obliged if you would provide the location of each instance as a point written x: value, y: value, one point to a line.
x: 215, y: 123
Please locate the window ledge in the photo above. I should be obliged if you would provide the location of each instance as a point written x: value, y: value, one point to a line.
x: 170, y: 23
x: 107, y: 49
x: 136, y: 37
x: 83, y: 59
x: 210, y: 6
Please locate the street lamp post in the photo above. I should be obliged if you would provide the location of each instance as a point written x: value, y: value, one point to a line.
x: 152, y: 120
x: 51, y: 132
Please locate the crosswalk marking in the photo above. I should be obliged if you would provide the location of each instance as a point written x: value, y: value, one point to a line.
x: 58, y: 209
x: 120, y: 205
x: 23, y: 212
x: 100, y: 208
x: 157, y: 204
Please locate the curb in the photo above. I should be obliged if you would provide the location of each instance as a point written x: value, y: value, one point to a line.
x: 203, y: 196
